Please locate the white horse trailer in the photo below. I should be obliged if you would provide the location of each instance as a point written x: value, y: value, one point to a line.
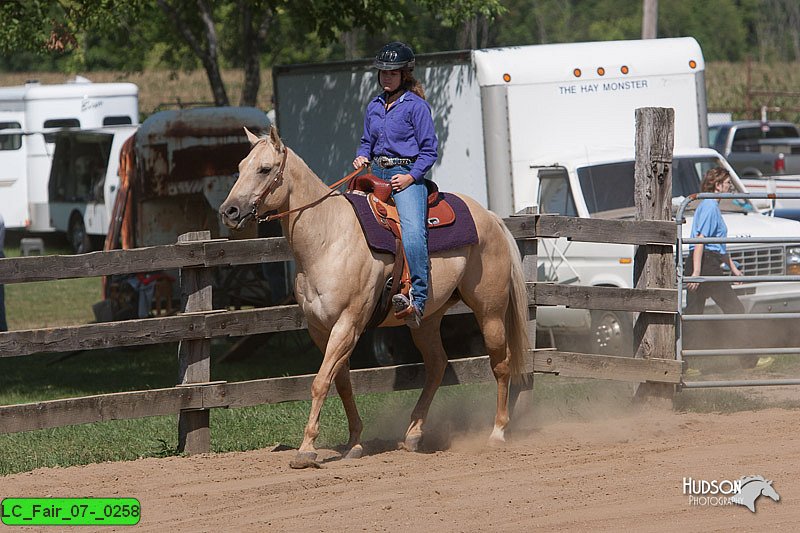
x: 84, y: 181
x: 30, y: 116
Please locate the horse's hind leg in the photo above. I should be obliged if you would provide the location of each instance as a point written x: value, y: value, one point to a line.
x: 494, y: 336
x: 428, y: 340
x: 489, y: 313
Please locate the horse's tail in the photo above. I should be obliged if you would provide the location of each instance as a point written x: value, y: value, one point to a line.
x: 517, y: 310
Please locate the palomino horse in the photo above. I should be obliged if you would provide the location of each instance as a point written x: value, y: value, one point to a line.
x: 339, y: 281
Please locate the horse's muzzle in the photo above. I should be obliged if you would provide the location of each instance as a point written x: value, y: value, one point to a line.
x: 232, y: 217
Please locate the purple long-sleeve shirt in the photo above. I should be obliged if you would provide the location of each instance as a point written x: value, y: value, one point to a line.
x: 406, y: 130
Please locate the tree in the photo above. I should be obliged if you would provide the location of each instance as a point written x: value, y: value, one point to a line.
x: 251, y: 25
x: 245, y: 29
x: 196, y: 25
x: 54, y: 26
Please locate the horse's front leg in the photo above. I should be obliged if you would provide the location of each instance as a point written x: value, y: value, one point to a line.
x: 340, y: 345
x: 345, y: 389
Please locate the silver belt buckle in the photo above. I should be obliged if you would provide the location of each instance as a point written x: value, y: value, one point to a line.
x: 384, y: 162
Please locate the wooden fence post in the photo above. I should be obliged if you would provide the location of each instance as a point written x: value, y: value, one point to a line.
x: 194, y: 356
x: 654, y: 266
x: 523, y: 389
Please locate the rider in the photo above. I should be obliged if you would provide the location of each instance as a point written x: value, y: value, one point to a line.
x: 400, y: 140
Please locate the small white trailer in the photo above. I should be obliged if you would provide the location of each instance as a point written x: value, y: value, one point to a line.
x: 30, y: 117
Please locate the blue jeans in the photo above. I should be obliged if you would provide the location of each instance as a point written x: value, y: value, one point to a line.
x: 412, y: 206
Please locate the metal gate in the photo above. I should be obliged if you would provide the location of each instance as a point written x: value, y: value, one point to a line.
x: 761, y: 264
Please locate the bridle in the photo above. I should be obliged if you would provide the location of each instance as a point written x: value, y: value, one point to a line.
x: 270, y: 188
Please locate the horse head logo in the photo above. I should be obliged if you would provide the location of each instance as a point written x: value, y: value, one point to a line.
x: 752, y: 488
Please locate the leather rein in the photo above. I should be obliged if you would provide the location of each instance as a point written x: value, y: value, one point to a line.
x: 274, y: 183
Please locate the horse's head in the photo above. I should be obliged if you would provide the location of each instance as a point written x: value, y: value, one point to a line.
x: 259, y: 186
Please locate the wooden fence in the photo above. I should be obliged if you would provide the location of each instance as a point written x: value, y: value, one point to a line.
x: 654, y: 299
x: 194, y: 328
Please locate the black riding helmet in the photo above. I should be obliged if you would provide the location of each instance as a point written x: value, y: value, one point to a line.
x: 395, y: 56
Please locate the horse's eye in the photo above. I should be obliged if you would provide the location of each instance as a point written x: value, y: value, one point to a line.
x: 264, y: 170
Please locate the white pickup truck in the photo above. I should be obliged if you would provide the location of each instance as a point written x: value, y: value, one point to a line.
x: 602, y: 187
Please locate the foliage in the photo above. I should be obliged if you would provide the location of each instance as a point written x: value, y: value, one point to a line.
x: 136, y: 34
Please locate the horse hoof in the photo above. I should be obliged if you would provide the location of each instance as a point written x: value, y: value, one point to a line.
x: 411, y: 444
x: 496, y: 443
x: 497, y: 439
x: 304, y: 460
x: 356, y: 452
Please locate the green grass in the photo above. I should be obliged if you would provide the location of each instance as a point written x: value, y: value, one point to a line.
x: 44, y: 304
x: 41, y: 304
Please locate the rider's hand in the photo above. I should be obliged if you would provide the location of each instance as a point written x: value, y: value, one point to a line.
x: 401, y: 181
x: 360, y: 161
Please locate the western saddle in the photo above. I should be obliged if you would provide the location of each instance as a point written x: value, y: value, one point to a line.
x: 379, y: 198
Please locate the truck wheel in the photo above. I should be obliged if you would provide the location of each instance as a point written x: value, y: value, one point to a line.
x: 80, y: 241
x: 612, y: 333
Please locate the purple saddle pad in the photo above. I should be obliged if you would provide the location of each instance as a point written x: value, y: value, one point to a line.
x: 460, y: 233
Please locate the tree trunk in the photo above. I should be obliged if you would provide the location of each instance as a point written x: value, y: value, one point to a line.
x: 649, y: 19
x: 207, y: 54
x: 484, y: 27
x: 350, y: 41
x: 254, y: 38
x: 211, y: 58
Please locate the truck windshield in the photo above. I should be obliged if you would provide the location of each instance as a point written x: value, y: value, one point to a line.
x: 748, y: 139
x: 555, y: 194
x: 79, y: 166
x: 611, y: 186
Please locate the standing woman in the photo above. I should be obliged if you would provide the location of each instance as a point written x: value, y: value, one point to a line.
x: 400, y: 140
x: 707, y: 259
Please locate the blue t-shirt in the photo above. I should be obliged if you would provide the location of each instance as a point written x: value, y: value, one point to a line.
x: 406, y: 130
x: 708, y: 221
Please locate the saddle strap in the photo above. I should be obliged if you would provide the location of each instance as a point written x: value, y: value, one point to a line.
x: 381, y: 310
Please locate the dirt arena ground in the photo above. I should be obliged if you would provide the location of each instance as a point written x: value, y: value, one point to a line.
x: 612, y: 474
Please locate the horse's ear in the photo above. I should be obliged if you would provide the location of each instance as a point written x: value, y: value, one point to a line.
x: 276, y: 140
x: 252, y: 137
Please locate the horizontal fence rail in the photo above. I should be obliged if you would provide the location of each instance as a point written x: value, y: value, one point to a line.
x: 272, y: 249
x: 220, y: 323
x: 156, y: 402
